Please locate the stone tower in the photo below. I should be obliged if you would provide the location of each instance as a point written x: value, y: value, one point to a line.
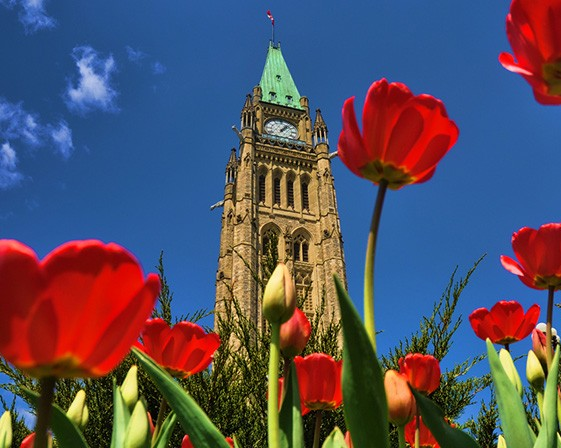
x: 279, y: 200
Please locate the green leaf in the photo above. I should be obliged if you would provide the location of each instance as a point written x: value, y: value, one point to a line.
x: 165, y: 431
x: 121, y: 417
x: 517, y: 434
x: 67, y: 433
x: 290, y: 417
x: 547, y: 437
x: 433, y: 418
x: 335, y: 440
x: 366, y: 411
x: 193, y: 420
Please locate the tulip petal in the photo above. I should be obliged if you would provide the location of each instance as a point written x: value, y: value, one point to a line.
x: 350, y: 147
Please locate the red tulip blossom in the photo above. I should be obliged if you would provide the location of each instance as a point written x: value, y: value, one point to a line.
x: 403, y: 136
x: 505, y: 323
x: 422, y: 372
x: 186, y: 442
x: 294, y: 334
x: 319, y: 381
x: 539, y: 256
x: 183, y: 350
x: 534, y: 32
x: 77, y: 312
x: 401, y: 402
x: 426, y: 439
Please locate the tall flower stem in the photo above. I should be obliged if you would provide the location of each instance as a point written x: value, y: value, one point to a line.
x: 44, y: 411
x: 317, y: 429
x: 548, y: 338
x: 418, y: 430
x: 401, y: 436
x: 160, y: 419
x: 369, y: 322
x: 273, y: 402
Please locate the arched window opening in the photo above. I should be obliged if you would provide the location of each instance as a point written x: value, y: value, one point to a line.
x: 300, y: 249
x: 305, y: 198
x: 276, y: 191
x: 290, y: 192
x: 261, y: 192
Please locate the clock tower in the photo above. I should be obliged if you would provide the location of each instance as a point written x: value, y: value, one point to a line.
x: 279, y: 200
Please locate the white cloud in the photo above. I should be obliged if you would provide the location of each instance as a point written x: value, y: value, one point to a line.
x: 32, y: 14
x: 135, y: 55
x: 27, y: 129
x: 158, y: 68
x: 62, y: 138
x: 9, y: 175
x: 93, y: 88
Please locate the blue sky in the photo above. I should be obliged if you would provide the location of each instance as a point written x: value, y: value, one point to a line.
x: 115, y: 124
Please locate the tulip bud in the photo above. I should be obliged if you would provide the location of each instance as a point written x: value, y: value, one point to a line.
x: 534, y: 371
x: 539, y: 346
x: 501, y: 442
x: 401, y: 403
x: 279, y: 298
x: 510, y: 370
x: 78, y: 411
x: 294, y: 334
x: 138, y: 430
x: 6, y: 430
x: 129, y: 388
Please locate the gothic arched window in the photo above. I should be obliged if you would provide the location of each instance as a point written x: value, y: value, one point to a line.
x: 300, y: 249
x: 290, y: 192
x: 305, y: 197
x: 276, y: 190
x: 261, y: 188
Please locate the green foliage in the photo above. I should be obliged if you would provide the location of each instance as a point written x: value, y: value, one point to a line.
x: 485, y: 426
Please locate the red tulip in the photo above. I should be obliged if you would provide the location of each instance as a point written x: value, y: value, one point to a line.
x: 422, y: 371
x: 539, y: 256
x: 186, y: 442
x: 534, y: 32
x: 403, y: 136
x: 505, y: 323
x: 77, y: 312
x: 426, y: 439
x: 183, y: 350
x: 401, y: 402
x: 319, y: 381
x: 294, y: 334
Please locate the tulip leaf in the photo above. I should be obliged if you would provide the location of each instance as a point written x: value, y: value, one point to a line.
x: 67, y: 433
x: 433, y: 418
x: 363, y: 381
x: 335, y: 440
x: 517, y: 434
x: 548, y: 431
x: 193, y: 420
x: 290, y: 417
x: 121, y: 417
x: 166, y: 431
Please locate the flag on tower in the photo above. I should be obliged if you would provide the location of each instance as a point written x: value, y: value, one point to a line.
x: 271, y: 18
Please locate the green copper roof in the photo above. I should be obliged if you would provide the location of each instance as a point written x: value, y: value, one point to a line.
x: 276, y: 82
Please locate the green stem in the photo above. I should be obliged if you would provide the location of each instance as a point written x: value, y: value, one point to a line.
x: 160, y: 419
x: 369, y: 322
x: 401, y: 436
x: 317, y: 429
x: 548, y: 344
x: 418, y: 431
x: 285, y: 374
x: 273, y: 402
x: 44, y: 411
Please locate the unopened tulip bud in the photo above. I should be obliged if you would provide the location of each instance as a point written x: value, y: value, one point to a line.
x: 510, y: 370
x: 78, y: 411
x: 501, y: 442
x: 6, y: 430
x: 129, y: 388
x: 401, y: 402
x: 279, y: 298
x: 138, y: 431
x: 294, y: 334
x: 534, y: 371
x: 539, y: 346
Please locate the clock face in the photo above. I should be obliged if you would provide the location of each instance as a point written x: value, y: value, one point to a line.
x: 281, y: 128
